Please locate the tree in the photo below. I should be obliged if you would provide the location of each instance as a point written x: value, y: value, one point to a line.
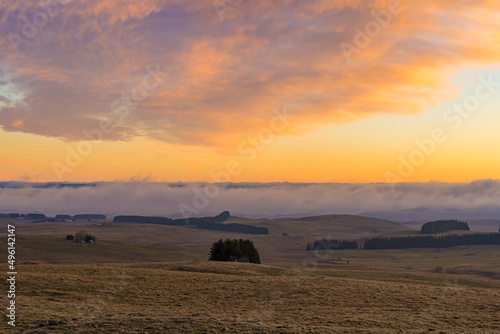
x: 89, y: 238
x: 81, y: 237
x: 440, y: 226
x: 70, y: 237
x: 234, y: 250
x: 327, y: 244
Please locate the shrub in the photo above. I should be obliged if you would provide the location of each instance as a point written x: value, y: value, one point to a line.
x: 70, y: 237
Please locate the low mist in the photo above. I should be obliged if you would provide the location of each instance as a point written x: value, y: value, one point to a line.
x: 406, y: 201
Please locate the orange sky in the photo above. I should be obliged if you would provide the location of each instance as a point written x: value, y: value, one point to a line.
x: 316, y: 91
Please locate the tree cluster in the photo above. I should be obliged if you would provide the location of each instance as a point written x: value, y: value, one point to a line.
x: 223, y: 216
x: 233, y: 227
x: 326, y: 244
x: 208, y: 223
x: 440, y: 226
x: 430, y: 241
x: 234, y: 250
x: 148, y: 220
x: 10, y: 215
x: 82, y: 237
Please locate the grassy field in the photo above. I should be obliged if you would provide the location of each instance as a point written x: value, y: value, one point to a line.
x: 245, y: 298
x: 155, y: 279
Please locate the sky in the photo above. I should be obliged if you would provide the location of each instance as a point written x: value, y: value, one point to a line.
x: 250, y: 91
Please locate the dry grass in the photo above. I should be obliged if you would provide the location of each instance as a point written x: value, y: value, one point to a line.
x: 245, y: 298
x: 123, y: 284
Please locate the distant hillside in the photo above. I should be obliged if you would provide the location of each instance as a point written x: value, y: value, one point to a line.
x: 336, y: 226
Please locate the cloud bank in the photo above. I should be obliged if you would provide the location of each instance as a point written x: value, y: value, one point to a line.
x: 479, y: 199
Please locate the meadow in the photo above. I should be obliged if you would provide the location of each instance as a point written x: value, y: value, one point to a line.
x: 156, y: 279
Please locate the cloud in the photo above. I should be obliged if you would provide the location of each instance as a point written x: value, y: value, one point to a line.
x: 477, y: 199
x: 225, y: 77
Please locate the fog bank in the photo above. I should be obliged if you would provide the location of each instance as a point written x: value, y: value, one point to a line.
x: 406, y: 201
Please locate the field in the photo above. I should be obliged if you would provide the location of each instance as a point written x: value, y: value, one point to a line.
x: 155, y: 279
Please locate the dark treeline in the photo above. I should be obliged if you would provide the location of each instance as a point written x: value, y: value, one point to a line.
x: 234, y: 250
x: 168, y: 221
x: 222, y: 217
x: 430, y: 241
x: 440, y: 226
x: 209, y: 223
x: 325, y: 244
x: 24, y: 216
x: 41, y: 216
x: 10, y: 215
x: 148, y: 220
x: 233, y: 227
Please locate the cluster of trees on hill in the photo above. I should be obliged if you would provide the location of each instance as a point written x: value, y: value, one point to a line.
x: 440, y: 226
x: 82, y: 237
x: 168, y: 221
x: 427, y: 241
x: 233, y: 227
x: 209, y: 223
x: 222, y: 217
x: 10, y: 215
x: 148, y: 220
x: 25, y: 216
x: 234, y: 250
x: 325, y: 244
x: 40, y: 217
x: 430, y: 241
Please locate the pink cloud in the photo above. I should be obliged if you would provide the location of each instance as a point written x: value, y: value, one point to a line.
x: 225, y: 77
